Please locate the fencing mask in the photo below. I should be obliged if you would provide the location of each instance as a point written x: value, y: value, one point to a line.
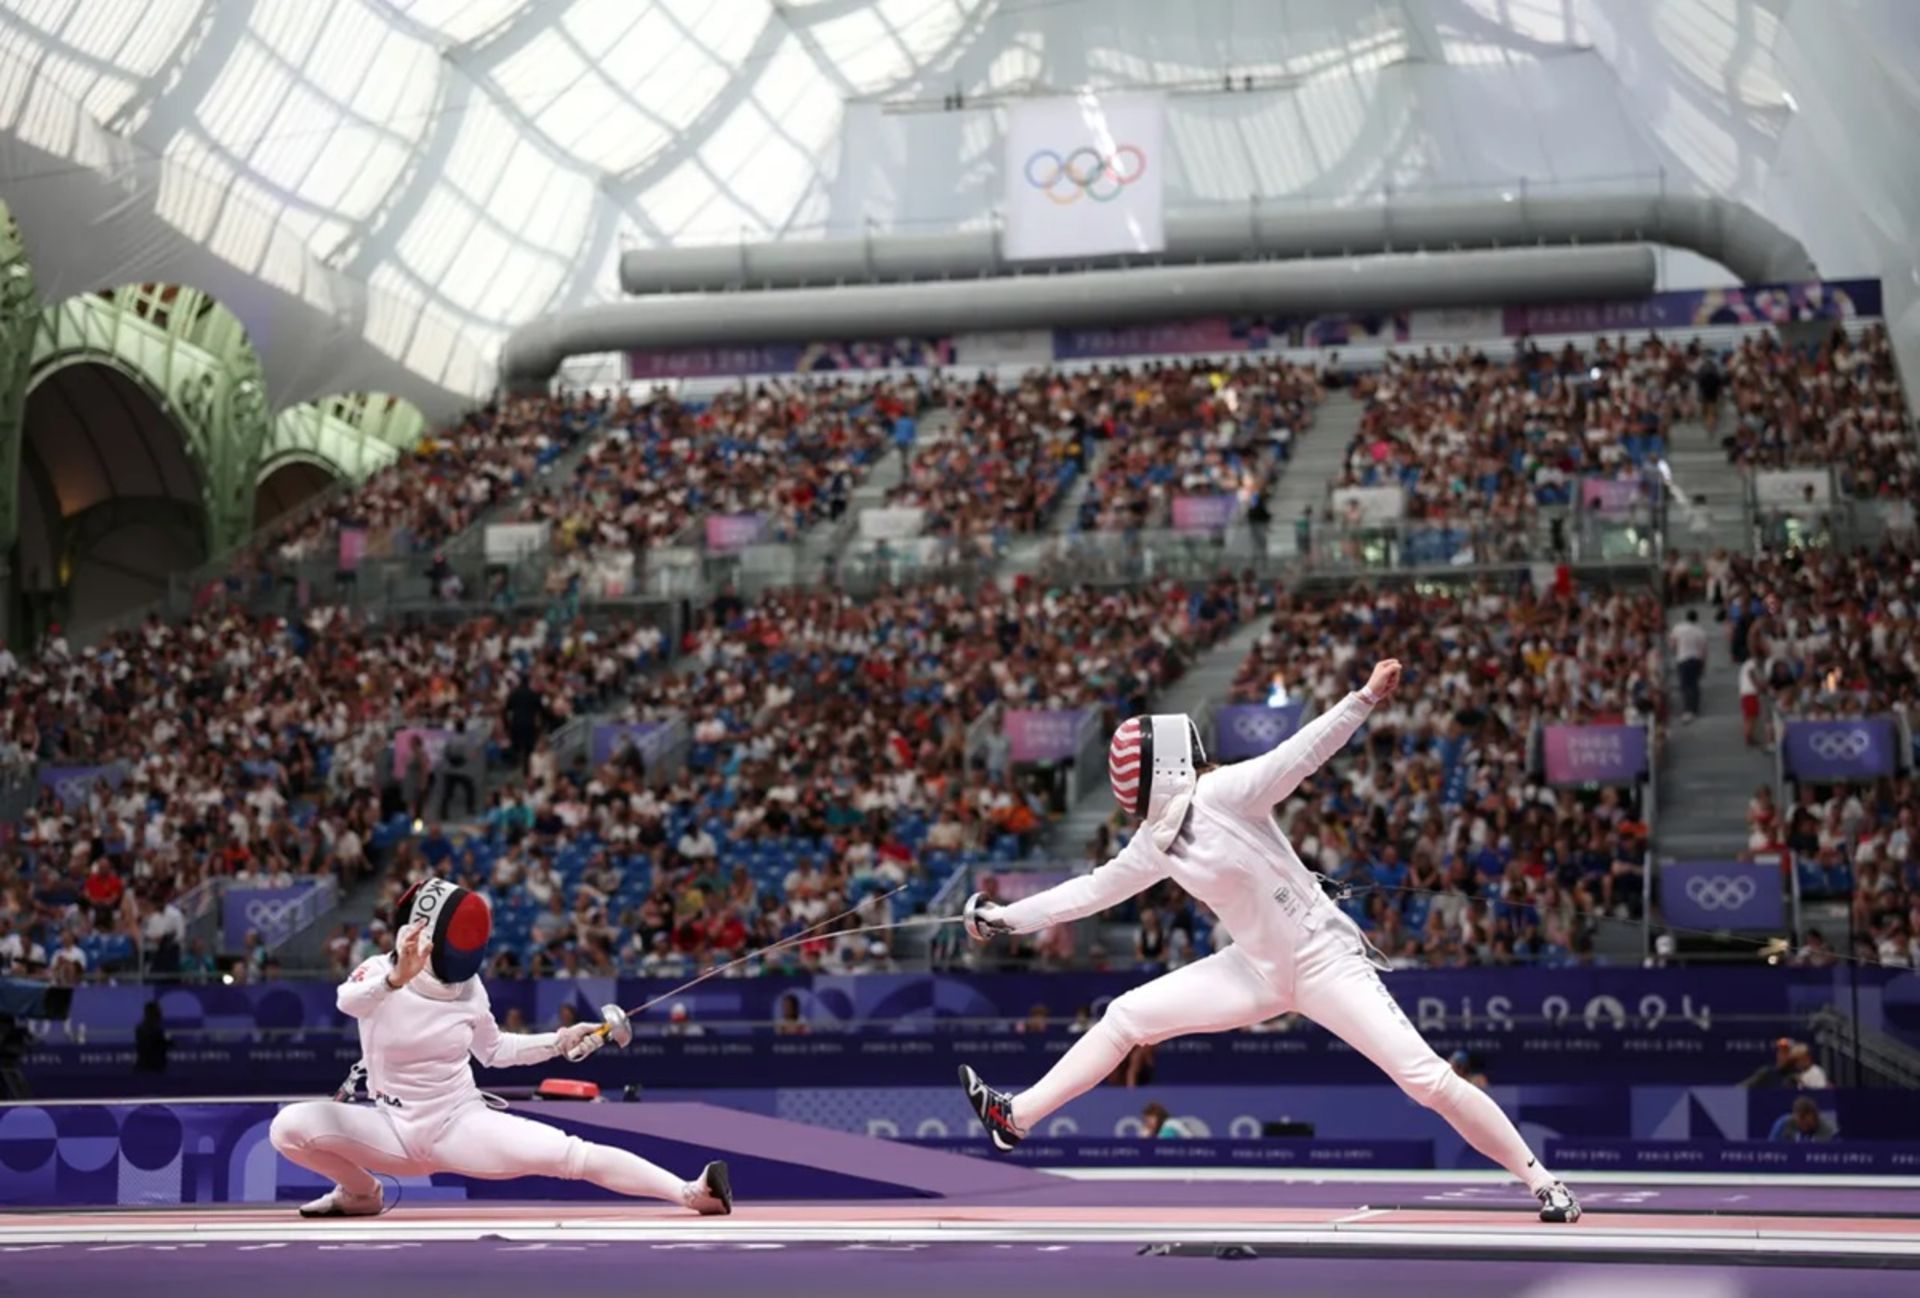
x: 459, y: 922
x: 1154, y: 763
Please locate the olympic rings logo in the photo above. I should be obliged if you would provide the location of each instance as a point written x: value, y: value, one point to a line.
x: 1259, y: 727
x: 1085, y: 173
x: 266, y: 913
x: 1840, y: 745
x: 1720, y: 891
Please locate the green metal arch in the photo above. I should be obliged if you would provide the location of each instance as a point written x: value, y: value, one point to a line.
x: 352, y: 436
x: 19, y: 310
x: 192, y: 356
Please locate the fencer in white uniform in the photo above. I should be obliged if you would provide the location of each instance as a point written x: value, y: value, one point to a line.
x: 421, y: 1013
x: 1213, y: 831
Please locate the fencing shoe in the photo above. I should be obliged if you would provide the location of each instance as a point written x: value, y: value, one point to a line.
x: 1557, y: 1203
x: 338, y: 1203
x: 995, y: 1109
x: 712, y: 1194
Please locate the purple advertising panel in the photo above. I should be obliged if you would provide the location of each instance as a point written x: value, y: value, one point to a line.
x: 274, y: 913
x: 353, y: 547
x: 1204, y: 513
x: 1043, y: 736
x: 1840, y: 750
x: 432, y: 739
x: 789, y: 358
x: 1214, y: 334
x: 608, y: 737
x: 731, y: 531
x: 1722, y: 895
x: 1695, y: 308
x: 1595, y: 754
x: 74, y: 784
x: 1613, y: 495
x: 1249, y: 729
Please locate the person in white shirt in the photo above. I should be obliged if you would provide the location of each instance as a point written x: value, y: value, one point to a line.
x: 1750, y: 699
x: 422, y: 1012
x: 69, y: 965
x: 1689, y: 640
x: 1213, y: 831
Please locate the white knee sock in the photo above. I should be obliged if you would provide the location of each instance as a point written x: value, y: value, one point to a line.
x: 1085, y: 1066
x: 627, y: 1173
x: 1489, y: 1130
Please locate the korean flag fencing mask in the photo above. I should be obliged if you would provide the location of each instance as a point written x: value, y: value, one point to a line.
x: 1154, y: 763
x: 459, y: 921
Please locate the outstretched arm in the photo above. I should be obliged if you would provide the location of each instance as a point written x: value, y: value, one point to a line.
x: 496, y: 1049
x: 1253, y: 786
x: 1133, y: 871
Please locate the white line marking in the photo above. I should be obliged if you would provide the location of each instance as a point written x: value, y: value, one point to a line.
x: 1363, y: 1215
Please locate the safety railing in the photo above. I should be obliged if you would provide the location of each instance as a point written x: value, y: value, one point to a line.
x: 1855, y: 1055
x: 1089, y: 755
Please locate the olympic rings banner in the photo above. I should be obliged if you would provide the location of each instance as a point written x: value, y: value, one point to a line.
x: 75, y: 784
x: 1249, y: 729
x: 1840, y: 750
x: 1718, y: 895
x: 1085, y: 176
x: 276, y: 914
x: 1595, y: 754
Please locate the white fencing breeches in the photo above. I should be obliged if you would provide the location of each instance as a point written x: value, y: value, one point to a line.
x: 348, y: 1142
x: 1336, y: 987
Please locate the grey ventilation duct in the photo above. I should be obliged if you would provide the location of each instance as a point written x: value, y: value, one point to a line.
x: 1730, y: 233
x: 1403, y: 281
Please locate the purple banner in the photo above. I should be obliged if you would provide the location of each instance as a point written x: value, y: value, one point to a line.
x: 609, y: 736
x: 1042, y: 736
x: 1742, y: 1158
x: 1840, y: 750
x: 1210, y: 335
x: 353, y: 546
x: 1249, y: 729
x: 1595, y: 754
x: 1613, y: 495
x: 74, y: 784
x: 1204, y: 513
x: 1695, y: 308
x: 789, y: 358
x: 1714, y: 895
x: 432, y: 739
x: 731, y: 531
x: 274, y: 913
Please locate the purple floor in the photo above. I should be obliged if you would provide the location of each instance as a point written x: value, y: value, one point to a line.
x: 498, y: 1269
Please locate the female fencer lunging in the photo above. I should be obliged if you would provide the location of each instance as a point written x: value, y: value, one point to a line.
x: 1212, y: 829
x: 422, y: 1011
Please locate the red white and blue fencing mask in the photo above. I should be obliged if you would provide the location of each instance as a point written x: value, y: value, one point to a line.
x: 458, y: 920
x: 1154, y: 764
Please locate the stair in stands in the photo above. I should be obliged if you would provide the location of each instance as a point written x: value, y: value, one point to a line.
x: 1706, y: 772
x: 1317, y: 457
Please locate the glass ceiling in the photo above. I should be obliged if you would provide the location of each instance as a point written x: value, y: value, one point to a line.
x: 474, y: 163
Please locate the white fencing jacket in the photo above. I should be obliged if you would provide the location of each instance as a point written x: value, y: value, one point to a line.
x: 415, y: 1041
x: 1230, y: 854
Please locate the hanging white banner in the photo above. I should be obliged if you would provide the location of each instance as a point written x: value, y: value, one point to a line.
x: 1085, y: 176
x: 892, y: 524
x: 512, y: 542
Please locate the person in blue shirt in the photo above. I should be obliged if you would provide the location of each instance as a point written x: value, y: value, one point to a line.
x: 1804, y: 1122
